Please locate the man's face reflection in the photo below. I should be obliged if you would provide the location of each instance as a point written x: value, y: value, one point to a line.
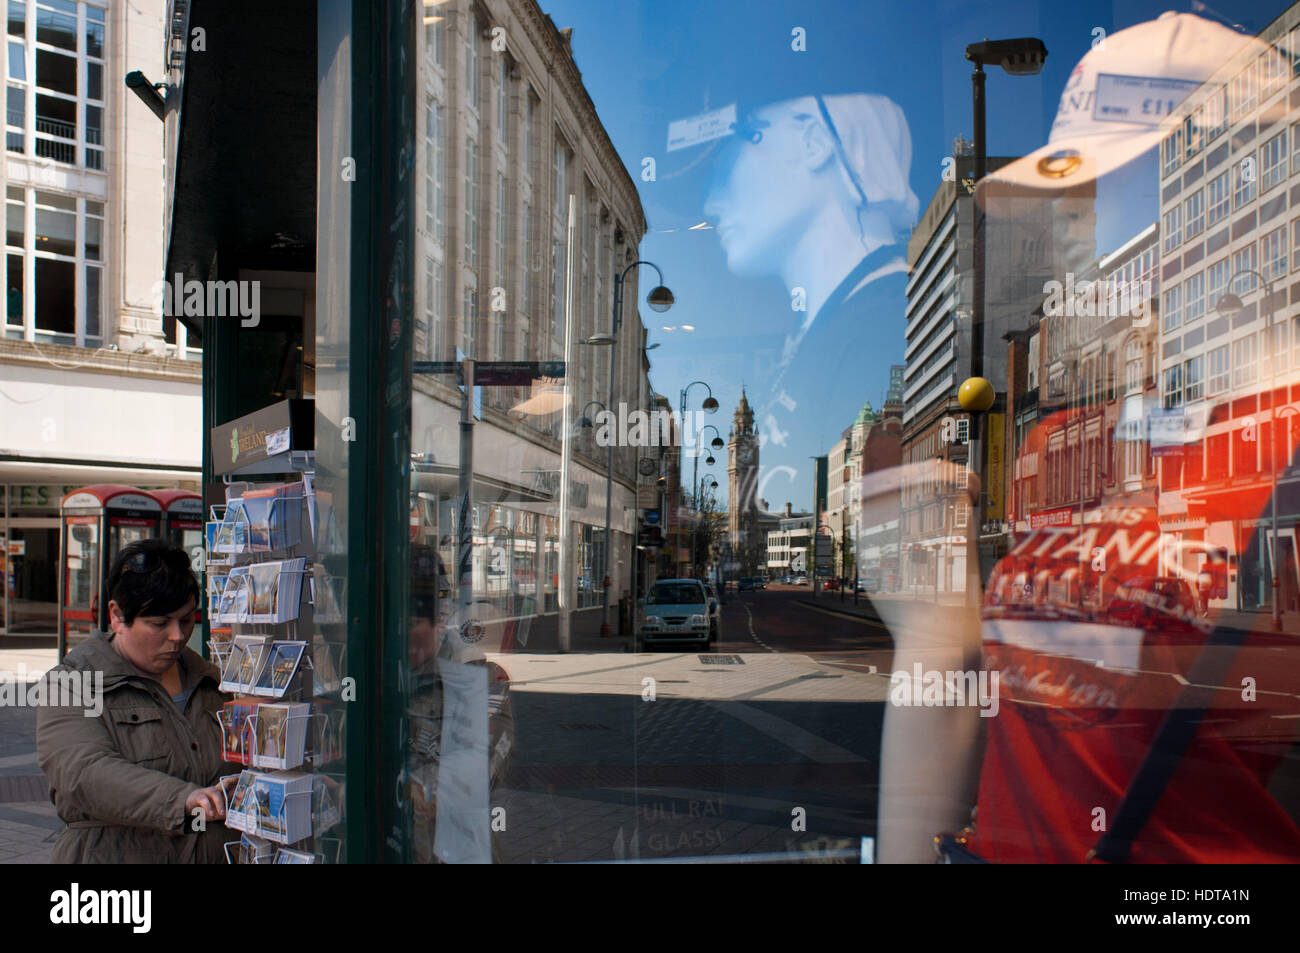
x: 762, y: 194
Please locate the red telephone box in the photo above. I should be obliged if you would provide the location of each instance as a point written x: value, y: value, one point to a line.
x: 96, y: 522
x: 182, y: 519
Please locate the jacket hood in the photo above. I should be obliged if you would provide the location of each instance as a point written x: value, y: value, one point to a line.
x: 96, y: 654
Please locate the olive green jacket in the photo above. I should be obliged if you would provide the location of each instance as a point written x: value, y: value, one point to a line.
x: 120, y: 779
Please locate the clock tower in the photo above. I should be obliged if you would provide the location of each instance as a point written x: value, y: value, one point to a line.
x: 742, y: 484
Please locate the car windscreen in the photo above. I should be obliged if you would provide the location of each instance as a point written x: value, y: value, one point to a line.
x: 666, y: 594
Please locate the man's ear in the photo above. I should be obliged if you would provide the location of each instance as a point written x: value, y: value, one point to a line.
x: 815, y: 144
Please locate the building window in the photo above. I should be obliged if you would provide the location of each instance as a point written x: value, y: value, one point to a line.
x: 1193, y: 382
x: 1273, y: 159
x: 1219, y: 370
x: 524, y: 340
x: 561, y: 182
x: 503, y: 100
x: 435, y: 38
x: 526, y: 145
x: 434, y: 307
x: 963, y: 430
x: 1216, y: 114
x: 1243, y: 361
x: 1241, y: 93
x: 1133, y: 367
x: 469, y: 324
x: 1219, y: 275
x: 1217, y: 198
x: 435, y: 170
x: 1245, y: 181
x: 1278, y: 341
x: 1295, y: 148
x: 960, y: 514
x: 1194, y: 297
x: 62, y: 78
x: 1272, y: 72
x: 1173, y: 229
x: 471, y: 204
x: 66, y: 291
x: 502, y: 206
x: 1194, y: 213
x: 1272, y: 253
x: 1173, y: 389
x: 1172, y: 308
x: 1192, y: 133
x: 530, y: 267
x: 471, y: 62
x: 1171, y: 151
x: 1244, y: 266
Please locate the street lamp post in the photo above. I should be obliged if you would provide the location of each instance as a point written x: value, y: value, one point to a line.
x: 1228, y: 304
x: 709, y: 406
x: 717, y: 443
x: 660, y: 299
x: 1023, y: 56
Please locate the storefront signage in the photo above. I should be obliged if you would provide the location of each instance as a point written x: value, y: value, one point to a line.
x: 37, y: 495
x: 996, y: 462
x: 1051, y: 518
x: 548, y: 481
x: 288, y: 425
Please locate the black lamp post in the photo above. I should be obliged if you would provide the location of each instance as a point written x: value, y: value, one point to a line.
x: 660, y: 299
x: 1023, y: 56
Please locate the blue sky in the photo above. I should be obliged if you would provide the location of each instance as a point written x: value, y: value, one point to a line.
x: 647, y: 63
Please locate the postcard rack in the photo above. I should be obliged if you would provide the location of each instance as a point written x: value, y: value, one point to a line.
x: 242, y: 744
x: 284, y: 723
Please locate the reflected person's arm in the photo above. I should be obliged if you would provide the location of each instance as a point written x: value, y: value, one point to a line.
x: 930, y: 756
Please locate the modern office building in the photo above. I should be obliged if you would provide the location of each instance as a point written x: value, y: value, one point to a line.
x: 1228, y: 176
x: 787, y: 544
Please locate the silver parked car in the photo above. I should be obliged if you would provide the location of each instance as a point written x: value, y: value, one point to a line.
x: 676, y: 611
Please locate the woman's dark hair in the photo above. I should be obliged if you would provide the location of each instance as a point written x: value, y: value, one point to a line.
x: 153, y: 576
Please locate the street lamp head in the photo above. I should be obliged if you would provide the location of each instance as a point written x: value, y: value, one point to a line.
x: 718, y: 443
x: 710, y: 405
x: 1023, y: 56
x: 709, y: 461
x: 1228, y: 303
x: 713, y: 484
x: 660, y: 299
x: 600, y: 340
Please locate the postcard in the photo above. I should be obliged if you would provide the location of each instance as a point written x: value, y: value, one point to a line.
x: 281, y: 666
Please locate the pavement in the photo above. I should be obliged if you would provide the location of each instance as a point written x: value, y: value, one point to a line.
x: 28, y: 824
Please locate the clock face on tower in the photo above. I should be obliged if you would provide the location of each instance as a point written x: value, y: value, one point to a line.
x: 745, y: 454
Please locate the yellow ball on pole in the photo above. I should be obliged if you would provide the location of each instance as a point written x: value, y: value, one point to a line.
x: 976, y: 395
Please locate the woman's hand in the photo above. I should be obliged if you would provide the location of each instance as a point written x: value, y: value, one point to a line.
x: 211, y: 800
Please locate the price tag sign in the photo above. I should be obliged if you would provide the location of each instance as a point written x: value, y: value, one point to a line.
x: 1139, y: 99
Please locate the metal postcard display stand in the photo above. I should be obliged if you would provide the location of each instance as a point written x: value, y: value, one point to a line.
x: 263, y: 586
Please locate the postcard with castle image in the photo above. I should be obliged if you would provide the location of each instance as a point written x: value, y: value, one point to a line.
x: 280, y: 668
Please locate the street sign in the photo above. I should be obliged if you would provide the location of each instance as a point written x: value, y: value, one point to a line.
x: 652, y: 517
x: 823, y: 545
x: 495, y: 373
